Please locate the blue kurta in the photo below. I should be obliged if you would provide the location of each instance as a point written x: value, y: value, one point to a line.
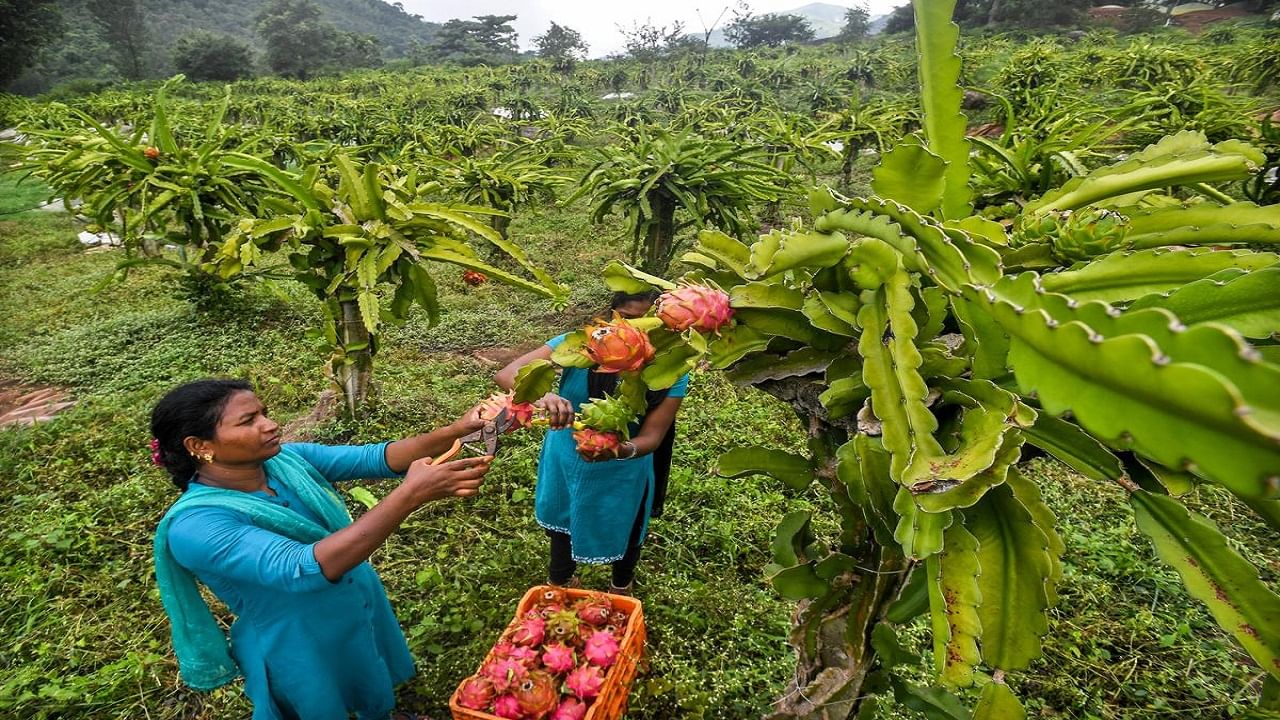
x: 309, y: 648
x: 595, y: 503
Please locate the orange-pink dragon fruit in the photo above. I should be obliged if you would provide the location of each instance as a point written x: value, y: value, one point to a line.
x: 537, y: 696
x: 476, y: 693
x: 618, y: 346
x: 521, y: 414
x: 597, y: 443
x: 705, y: 309
x: 585, y: 682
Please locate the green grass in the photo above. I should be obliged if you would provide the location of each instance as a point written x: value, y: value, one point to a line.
x: 86, y: 637
x: 19, y: 193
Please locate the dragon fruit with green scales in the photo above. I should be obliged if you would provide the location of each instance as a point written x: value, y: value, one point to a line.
x: 608, y: 414
x: 563, y: 626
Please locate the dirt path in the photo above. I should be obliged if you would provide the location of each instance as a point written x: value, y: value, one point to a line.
x: 22, y: 404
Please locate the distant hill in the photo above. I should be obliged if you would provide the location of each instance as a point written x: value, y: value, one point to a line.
x: 83, y: 54
x: 827, y: 20
x: 393, y: 27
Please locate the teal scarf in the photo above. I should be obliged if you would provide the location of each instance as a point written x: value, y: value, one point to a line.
x: 204, y: 654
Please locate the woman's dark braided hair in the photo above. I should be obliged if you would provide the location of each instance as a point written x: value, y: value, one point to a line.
x: 190, y: 410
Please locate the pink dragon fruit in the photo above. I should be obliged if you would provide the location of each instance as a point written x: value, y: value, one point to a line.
x: 585, y: 682
x: 476, y: 693
x: 559, y: 658
x: 594, y: 610
x: 546, y: 611
x: 526, y: 656
x: 530, y: 631
x: 618, y: 346
x: 570, y: 709
x: 702, y: 308
x: 521, y: 414
x: 601, y: 649
x: 505, y: 674
x: 506, y: 706
x: 596, y: 443
x: 537, y: 696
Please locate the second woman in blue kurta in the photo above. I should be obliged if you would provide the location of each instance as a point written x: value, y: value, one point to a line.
x: 597, y: 509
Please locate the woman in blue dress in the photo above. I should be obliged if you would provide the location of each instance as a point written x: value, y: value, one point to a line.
x: 260, y: 525
x: 596, y: 509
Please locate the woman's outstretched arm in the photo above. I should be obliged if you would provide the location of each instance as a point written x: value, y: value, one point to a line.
x: 559, y: 411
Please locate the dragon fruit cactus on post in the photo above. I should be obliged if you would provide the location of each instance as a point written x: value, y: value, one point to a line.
x: 618, y: 346
x: 705, y: 309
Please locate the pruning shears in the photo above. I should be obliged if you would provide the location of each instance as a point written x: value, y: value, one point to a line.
x: 481, y: 442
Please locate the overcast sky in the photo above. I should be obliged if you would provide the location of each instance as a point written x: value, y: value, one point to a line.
x: 597, y: 20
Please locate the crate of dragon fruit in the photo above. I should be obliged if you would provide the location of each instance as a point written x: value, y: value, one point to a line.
x: 569, y: 654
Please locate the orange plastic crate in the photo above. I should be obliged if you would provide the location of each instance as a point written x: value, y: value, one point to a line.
x: 611, y: 703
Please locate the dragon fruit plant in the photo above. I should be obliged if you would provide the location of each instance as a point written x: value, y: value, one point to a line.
x: 927, y: 349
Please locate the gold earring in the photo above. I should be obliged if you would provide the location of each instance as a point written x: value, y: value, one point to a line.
x: 207, y: 457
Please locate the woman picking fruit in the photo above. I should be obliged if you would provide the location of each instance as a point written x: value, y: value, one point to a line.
x: 595, y: 493
x: 260, y: 525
